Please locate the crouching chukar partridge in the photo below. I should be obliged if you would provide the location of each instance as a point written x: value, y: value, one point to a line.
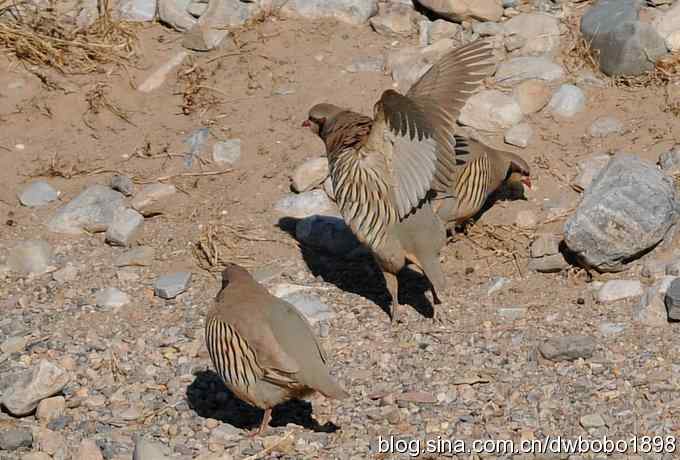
x: 386, y: 170
x: 482, y: 172
x: 263, y: 348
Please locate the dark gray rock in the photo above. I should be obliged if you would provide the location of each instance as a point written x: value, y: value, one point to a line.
x: 91, y: 211
x: 325, y: 233
x: 626, y: 46
x: 123, y: 184
x: 568, y: 348
x: 627, y: 210
x: 13, y: 439
x: 673, y: 300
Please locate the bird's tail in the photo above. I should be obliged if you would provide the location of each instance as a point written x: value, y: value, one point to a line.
x: 333, y: 390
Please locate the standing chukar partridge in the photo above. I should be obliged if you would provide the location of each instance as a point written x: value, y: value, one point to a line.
x: 263, y: 348
x: 482, y: 172
x: 386, y: 170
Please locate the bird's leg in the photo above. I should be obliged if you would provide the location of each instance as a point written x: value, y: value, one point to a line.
x: 263, y: 425
x: 393, y: 287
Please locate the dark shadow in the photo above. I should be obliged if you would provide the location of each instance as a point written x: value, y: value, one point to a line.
x: 506, y: 192
x: 209, y: 398
x: 358, y: 273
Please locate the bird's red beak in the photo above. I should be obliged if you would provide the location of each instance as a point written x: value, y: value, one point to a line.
x: 306, y: 124
x: 526, y: 180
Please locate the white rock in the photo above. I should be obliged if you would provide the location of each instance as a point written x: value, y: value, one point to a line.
x: 532, y: 95
x: 541, y: 32
x: 33, y: 257
x: 461, y: 10
x: 306, y: 204
x: 171, y: 285
x: 567, y: 101
x: 589, y: 168
x: 227, y: 152
x: 519, y: 135
x: 497, y: 284
x: 137, y: 10
x: 490, y: 110
x: 125, y: 228
x: 527, y: 219
x: 444, y: 29
x: 669, y: 22
x: 615, y: 290
x: 310, y: 174
x: 111, y: 298
x: 673, y: 41
x: 394, y: 19
x: 518, y: 69
x: 50, y: 408
x: 154, y: 199
x: 91, y: 211
x: 148, y: 450
x: 88, y: 450
x: 158, y: 77
x: 351, y: 11
x: 38, y: 193
x: 605, y: 126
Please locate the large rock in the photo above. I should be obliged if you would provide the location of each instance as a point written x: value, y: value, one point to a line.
x: 540, y: 32
x: 44, y: 381
x: 351, y: 11
x: 408, y: 64
x: 212, y: 28
x: 668, y: 23
x: 33, y: 257
x: 516, y: 70
x: 626, y: 211
x: 306, y: 204
x: 394, y: 19
x: 567, y: 101
x: 491, y: 110
x: 310, y: 174
x: 461, y: 10
x: 137, y: 10
x: 91, y: 211
x: 37, y: 193
x: 626, y: 46
x: 325, y: 233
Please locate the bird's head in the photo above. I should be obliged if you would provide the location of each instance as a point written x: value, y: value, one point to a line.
x: 519, y: 172
x: 234, y: 273
x: 319, y: 116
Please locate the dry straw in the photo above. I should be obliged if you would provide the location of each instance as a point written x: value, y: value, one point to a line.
x: 47, y: 36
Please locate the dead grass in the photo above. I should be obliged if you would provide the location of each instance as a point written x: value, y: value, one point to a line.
x: 43, y: 36
x: 577, y: 52
x: 221, y: 243
x: 58, y: 166
x: 196, y: 95
x: 97, y: 101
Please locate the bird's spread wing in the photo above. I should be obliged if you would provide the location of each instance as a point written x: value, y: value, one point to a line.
x: 417, y: 129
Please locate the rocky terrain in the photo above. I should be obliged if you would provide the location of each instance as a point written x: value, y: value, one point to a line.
x: 127, y: 186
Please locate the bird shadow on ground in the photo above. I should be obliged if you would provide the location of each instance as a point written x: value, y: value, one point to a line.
x: 210, y: 398
x: 358, y: 273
